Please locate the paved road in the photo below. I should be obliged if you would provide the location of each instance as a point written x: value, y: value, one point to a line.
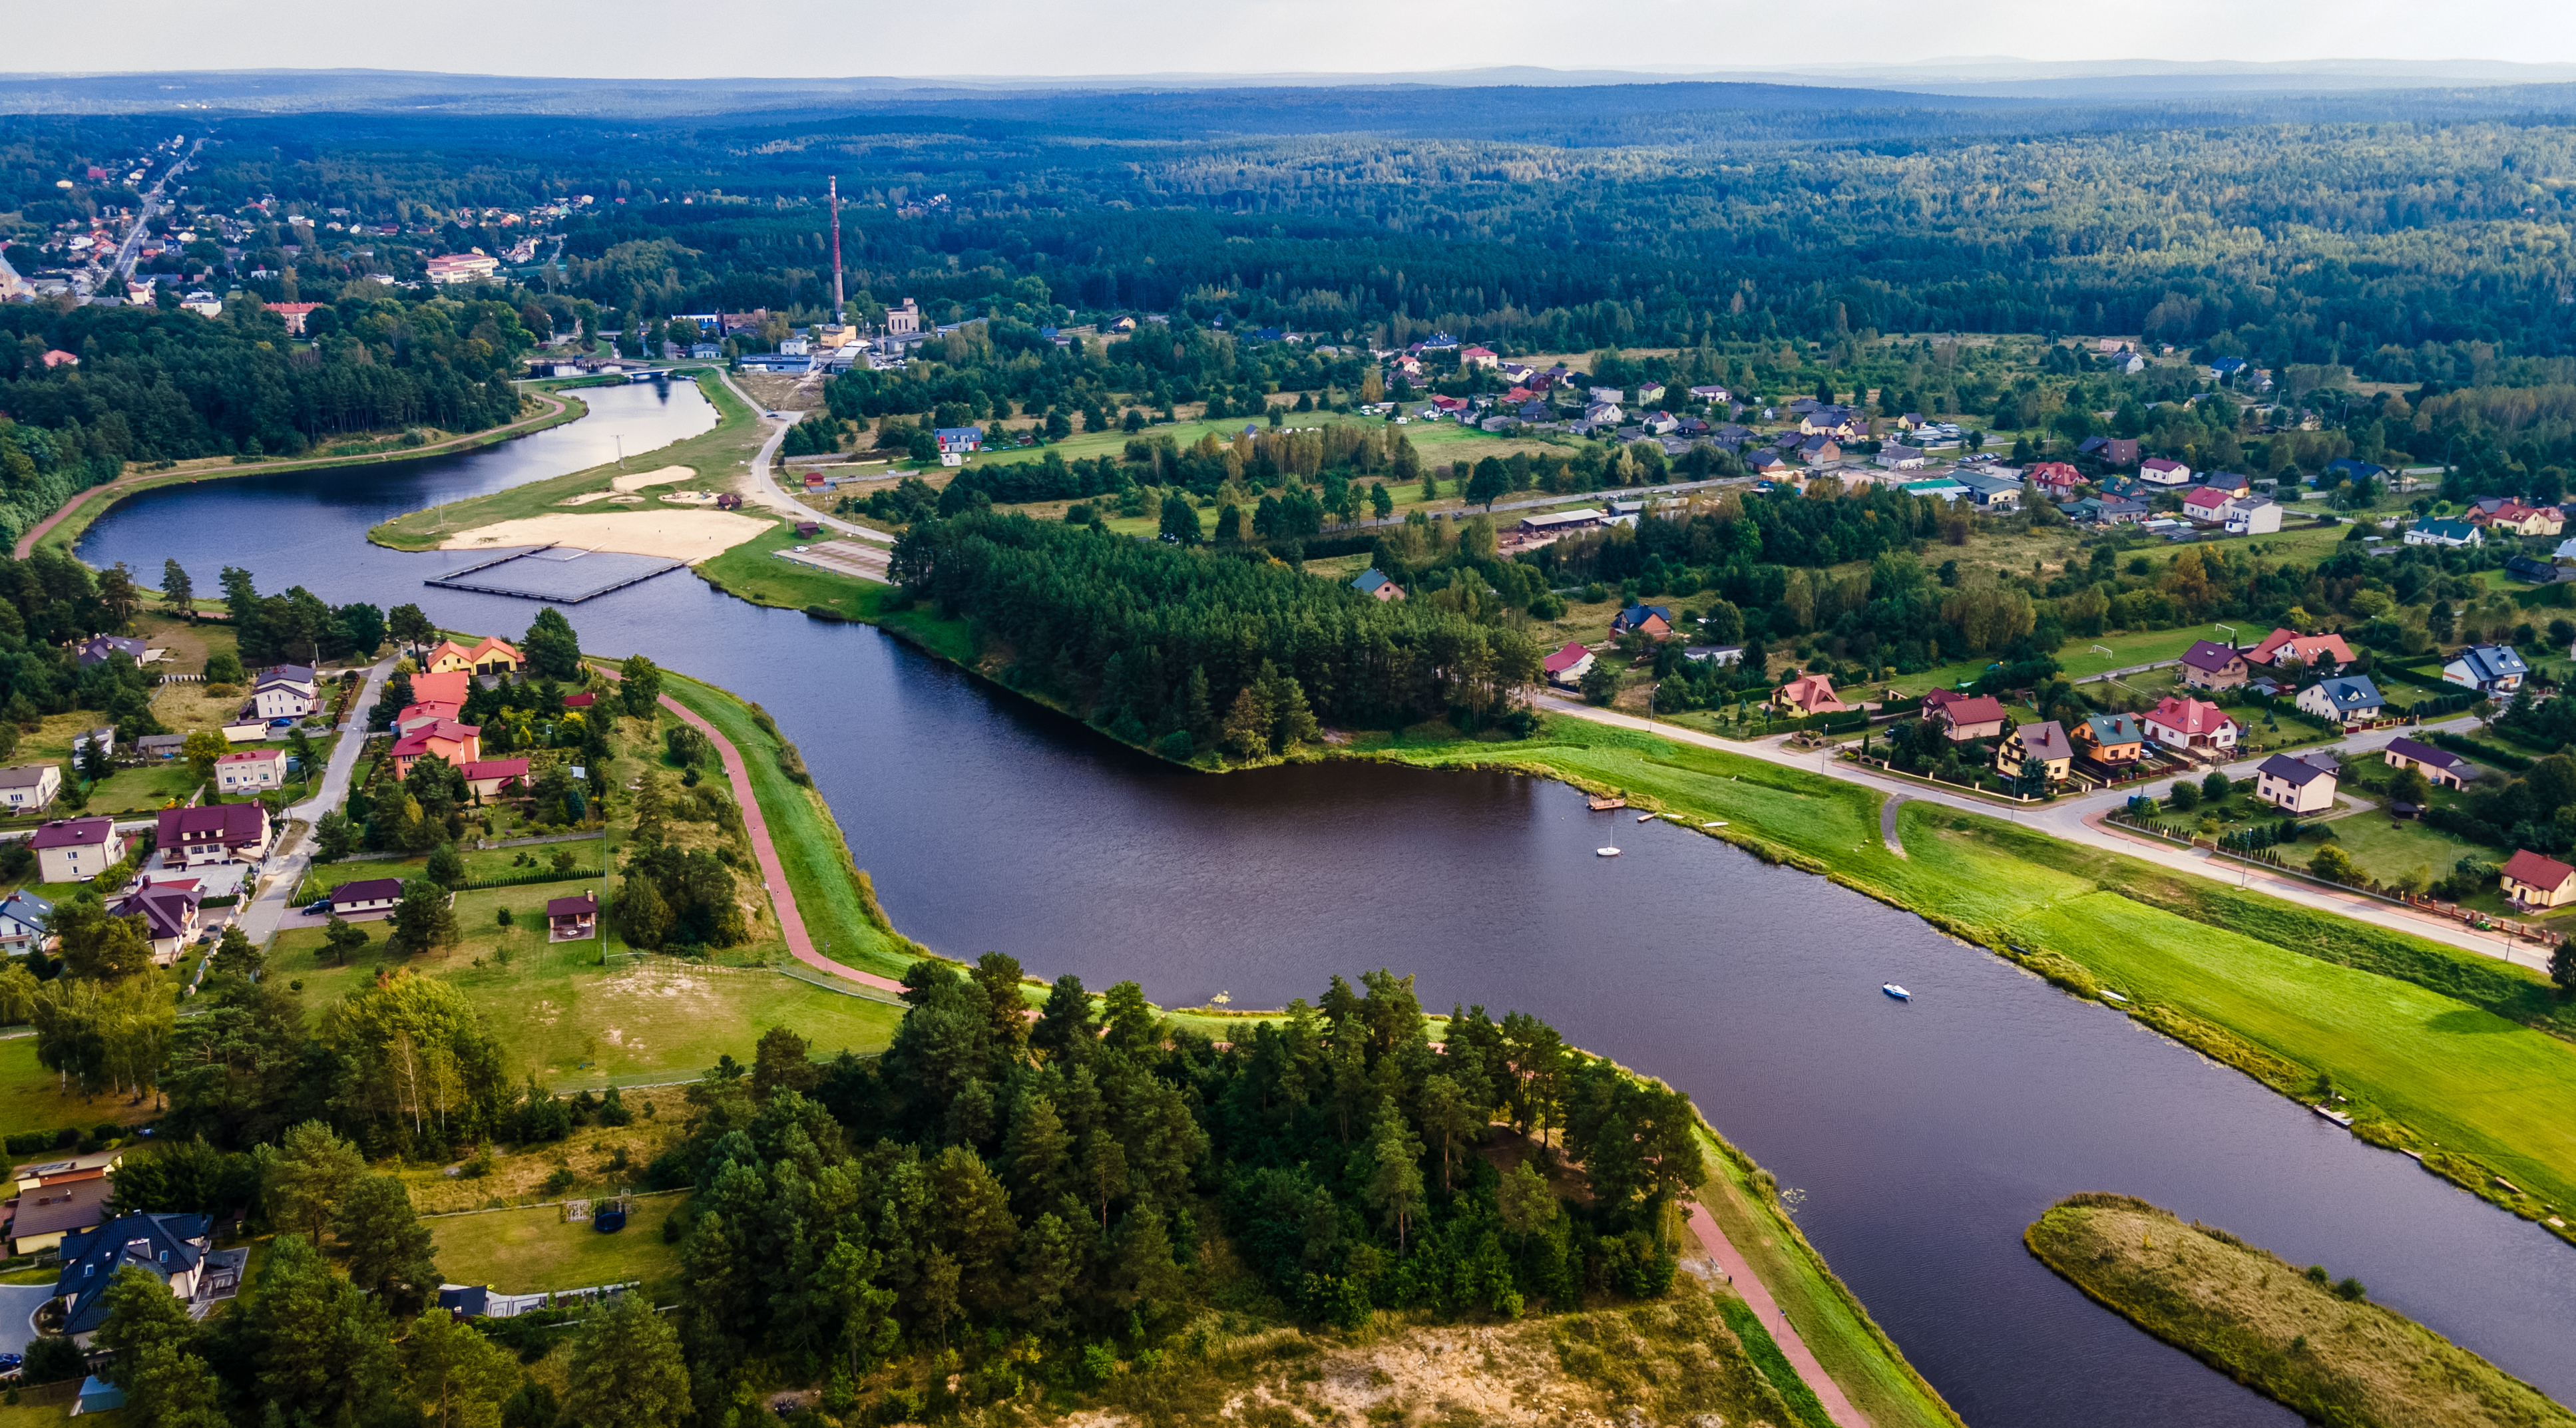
x: 2079, y: 820
x: 1757, y: 1297
x: 269, y: 912
x: 18, y: 1306
x: 124, y: 264
x: 764, y: 483
x: 791, y: 921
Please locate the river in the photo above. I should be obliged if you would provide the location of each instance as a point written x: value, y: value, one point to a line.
x: 1918, y: 1140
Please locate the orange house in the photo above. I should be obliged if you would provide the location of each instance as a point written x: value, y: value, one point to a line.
x: 458, y: 744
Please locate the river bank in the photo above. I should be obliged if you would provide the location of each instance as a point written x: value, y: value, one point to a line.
x: 2314, y: 1345
x: 63, y: 529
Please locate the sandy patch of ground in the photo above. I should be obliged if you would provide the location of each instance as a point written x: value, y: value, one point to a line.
x: 690, y: 498
x: 661, y: 476
x: 692, y: 536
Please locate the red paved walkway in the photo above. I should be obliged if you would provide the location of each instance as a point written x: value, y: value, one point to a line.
x: 790, y: 921
x: 1756, y: 1295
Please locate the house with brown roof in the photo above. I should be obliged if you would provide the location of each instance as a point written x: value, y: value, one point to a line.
x: 2295, y: 785
x: 1809, y: 694
x: 367, y: 897
x: 1981, y: 717
x: 2440, y: 767
x: 29, y: 788
x: 2037, y: 753
x: 169, y: 913
x: 572, y: 919
x: 2530, y: 880
x: 2211, y: 665
x: 55, y: 1207
x: 69, y: 850
x: 222, y: 833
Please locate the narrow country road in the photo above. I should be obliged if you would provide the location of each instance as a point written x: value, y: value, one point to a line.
x: 2079, y: 820
x: 260, y: 920
x: 791, y: 922
x: 1757, y: 1297
x: 764, y: 482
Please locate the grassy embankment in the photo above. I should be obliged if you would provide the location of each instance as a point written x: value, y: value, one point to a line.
x: 2286, y: 1334
x: 96, y: 502
x: 716, y: 454
x: 2442, y: 1052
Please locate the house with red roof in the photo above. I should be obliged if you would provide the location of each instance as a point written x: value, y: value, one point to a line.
x: 2314, y: 654
x: 2206, y: 504
x: 2531, y: 880
x: 491, y: 778
x: 2056, y: 479
x: 1809, y: 694
x: 294, y: 313
x: 2189, y: 724
x: 458, y: 744
x: 449, y: 688
x: 491, y: 656
x: 1568, y: 664
x: 1981, y: 717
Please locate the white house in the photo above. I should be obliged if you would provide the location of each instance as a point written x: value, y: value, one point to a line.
x: 2164, y: 471
x: 2454, y: 533
x: 2488, y: 669
x: 69, y: 850
x: 2350, y: 699
x: 2253, y: 516
x: 2294, y: 785
x: 251, y: 770
x: 2179, y: 723
x: 27, y: 788
x: 281, y: 697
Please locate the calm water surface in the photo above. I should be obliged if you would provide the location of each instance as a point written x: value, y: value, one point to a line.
x: 1920, y: 1139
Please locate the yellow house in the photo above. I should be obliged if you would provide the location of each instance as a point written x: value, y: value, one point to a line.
x: 2530, y: 880
x: 492, y: 656
x: 2035, y: 751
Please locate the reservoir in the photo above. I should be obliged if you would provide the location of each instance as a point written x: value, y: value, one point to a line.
x: 1917, y: 1140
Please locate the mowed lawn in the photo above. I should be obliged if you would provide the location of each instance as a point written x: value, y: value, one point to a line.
x: 535, y: 1249
x: 2469, y: 1079
x: 573, y: 1022
x: 2476, y: 1082
x: 32, y: 1098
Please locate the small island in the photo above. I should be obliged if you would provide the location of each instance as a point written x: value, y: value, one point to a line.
x: 2314, y: 1343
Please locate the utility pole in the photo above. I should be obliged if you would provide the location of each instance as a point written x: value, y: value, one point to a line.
x: 837, y: 299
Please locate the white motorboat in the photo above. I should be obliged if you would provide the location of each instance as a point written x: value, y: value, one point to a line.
x: 1896, y: 991
x: 1605, y: 852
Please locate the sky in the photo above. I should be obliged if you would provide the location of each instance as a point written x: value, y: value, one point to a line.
x: 807, y: 38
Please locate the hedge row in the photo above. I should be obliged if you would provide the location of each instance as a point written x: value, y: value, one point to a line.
x: 2511, y: 762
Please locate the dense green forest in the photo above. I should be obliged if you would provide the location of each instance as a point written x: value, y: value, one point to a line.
x: 1194, y: 652
x: 1022, y: 1207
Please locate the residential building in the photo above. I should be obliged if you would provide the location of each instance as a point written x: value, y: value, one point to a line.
x: 367, y: 897
x: 294, y: 314
x: 2530, y: 880
x: 2440, y: 767
x: 2111, y: 739
x: 462, y: 267
x: 103, y: 738
x: 97, y: 649
x: 1374, y: 583
x: 1897, y: 456
x: 2211, y: 665
x: 959, y: 440
x: 161, y: 748
x: 1840, y: 422
x: 572, y: 919
x: 69, y: 850
x: 2451, y: 533
x: 1725, y: 656
x: 169, y: 913
x: 1652, y: 621
x: 220, y: 833
x: 1809, y: 694
x: 281, y: 696
x: 1963, y: 719
x: 2035, y: 756
x: 23, y: 924
x: 176, y: 1249
x: 251, y: 770
x: 29, y: 788
x: 458, y: 744
x: 2206, y: 505
x: 487, y: 656
x: 2509, y: 517
x: 491, y: 778
x: 2253, y: 515
x: 2535, y: 571
x: 2164, y: 471
x: 2314, y: 654
x: 1568, y: 665
x: 1818, y: 449
x: 2111, y: 450
x: 57, y: 1201
x: 2181, y: 723
x: 2294, y: 785
x: 2488, y: 669
x: 2347, y: 699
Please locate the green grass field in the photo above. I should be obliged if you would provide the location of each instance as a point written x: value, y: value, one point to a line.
x: 2298, y: 985
x: 530, y: 1250
x: 481, y: 864
x: 32, y: 1098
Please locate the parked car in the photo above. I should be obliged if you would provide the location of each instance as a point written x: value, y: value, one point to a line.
x: 318, y: 906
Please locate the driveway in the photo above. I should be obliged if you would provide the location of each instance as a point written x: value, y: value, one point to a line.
x: 18, y: 1306
x: 261, y: 920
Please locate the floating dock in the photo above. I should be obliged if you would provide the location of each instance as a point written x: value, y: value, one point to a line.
x: 557, y: 574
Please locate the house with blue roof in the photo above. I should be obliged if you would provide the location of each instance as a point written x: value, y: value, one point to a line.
x: 176, y: 1249
x: 1374, y: 583
x: 1652, y: 620
x: 2350, y: 699
x: 2488, y: 669
x: 23, y: 917
x: 958, y: 440
x: 2451, y: 533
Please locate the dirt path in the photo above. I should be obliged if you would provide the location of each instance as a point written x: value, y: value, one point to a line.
x: 1887, y: 824
x: 791, y: 923
x: 1740, y: 1274
x: 122, y: 486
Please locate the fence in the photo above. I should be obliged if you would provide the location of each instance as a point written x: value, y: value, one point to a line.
x: 2269, y: 859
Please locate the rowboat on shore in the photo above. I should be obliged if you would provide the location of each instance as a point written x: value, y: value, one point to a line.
x: 1645, y: 818
x: 1598, y: 804
x: 1605, y: 852
x: 1896, y: 991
